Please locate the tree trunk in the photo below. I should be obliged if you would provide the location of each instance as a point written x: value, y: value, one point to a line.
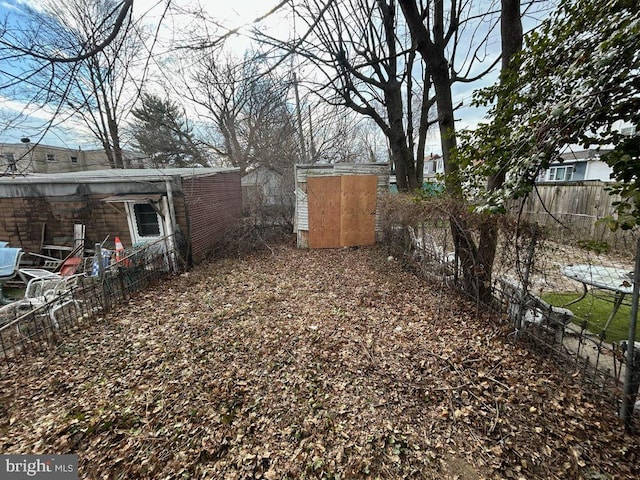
x: 406, y: 179
x: 511, y: 33
x: 115, y: 140
x: 462, y: 238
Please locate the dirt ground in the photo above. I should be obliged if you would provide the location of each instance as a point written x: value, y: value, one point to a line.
x: 307, y: 364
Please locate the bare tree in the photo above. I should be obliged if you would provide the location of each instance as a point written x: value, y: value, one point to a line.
x: 437, y: 28
x: 364, y: 57
x: 248, y: 110
x: 511, y: 40
x: 105, y: 85
x: 81, y: 58
x: 339, y: 135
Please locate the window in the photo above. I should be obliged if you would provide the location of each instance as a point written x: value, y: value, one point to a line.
x: 146, y: 220
x: 429, y: 166
x: 51, y: 157
x: 74, y: 159
x: 561, y: 174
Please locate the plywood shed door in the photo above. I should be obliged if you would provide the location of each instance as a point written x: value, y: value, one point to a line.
x: 358, y: 210
x: 341, y: 210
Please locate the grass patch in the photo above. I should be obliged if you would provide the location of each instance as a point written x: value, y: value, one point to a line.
x: 595, y: 309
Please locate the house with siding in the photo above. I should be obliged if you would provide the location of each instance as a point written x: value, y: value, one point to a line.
x: 578, y: 166
x: 196, y: 205
x: 433, y: 168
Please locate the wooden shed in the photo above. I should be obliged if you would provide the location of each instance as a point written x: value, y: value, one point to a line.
x: 337, y: 205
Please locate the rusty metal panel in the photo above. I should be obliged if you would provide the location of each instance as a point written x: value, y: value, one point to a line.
x: 324, y: 198
x: 358, y: 210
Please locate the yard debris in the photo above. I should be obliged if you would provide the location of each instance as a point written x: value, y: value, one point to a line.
x: 307, y: 364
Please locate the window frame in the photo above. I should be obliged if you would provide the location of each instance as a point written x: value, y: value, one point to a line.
x: 147, y: 220
x: 567, y: 173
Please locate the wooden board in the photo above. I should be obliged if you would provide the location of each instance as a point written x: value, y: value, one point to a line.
x: 323, y: 196
x: 358, y: 210
x: 341, y: 210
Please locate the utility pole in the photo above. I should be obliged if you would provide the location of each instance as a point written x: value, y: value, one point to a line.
x: 299, y: 116
x: 312, y: 145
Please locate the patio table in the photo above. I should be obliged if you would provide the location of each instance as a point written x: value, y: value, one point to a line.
x: 616, y: 280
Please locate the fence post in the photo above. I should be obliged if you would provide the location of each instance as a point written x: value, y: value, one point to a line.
x: 632, y: 370
x: 531, y: 250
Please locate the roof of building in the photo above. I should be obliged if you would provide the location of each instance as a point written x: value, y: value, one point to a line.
x: 110, y: 175
x: 591, y: 154
x: 44, y: 146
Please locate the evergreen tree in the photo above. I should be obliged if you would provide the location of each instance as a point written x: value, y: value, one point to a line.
x: 163, y: 132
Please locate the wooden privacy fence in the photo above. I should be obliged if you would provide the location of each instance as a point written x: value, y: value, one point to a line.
x: 575, y: 210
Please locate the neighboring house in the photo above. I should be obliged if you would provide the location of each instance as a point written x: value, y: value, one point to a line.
x: 432, y: 172
x: 433, y: 168
x: 23, y: 158
x: 577, y: 166
x: 136, y: 205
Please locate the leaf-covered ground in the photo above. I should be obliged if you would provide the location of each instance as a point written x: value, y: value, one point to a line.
x: 307, y: 364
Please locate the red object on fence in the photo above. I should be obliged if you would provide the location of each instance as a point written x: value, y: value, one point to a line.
x: 120, y: 256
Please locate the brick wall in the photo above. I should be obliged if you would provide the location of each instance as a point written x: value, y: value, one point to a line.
x: 22, y: 220
x: 214, y: 205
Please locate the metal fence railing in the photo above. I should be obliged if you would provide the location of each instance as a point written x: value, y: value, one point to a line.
x: 567, y: 297
x: 580, y: 307
x: 52, y: 306
x: 557, y: 332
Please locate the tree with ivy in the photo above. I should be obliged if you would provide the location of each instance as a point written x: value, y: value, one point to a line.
x: 576, y: 84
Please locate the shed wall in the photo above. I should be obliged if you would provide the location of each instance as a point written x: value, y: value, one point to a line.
x: 22, y: 220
